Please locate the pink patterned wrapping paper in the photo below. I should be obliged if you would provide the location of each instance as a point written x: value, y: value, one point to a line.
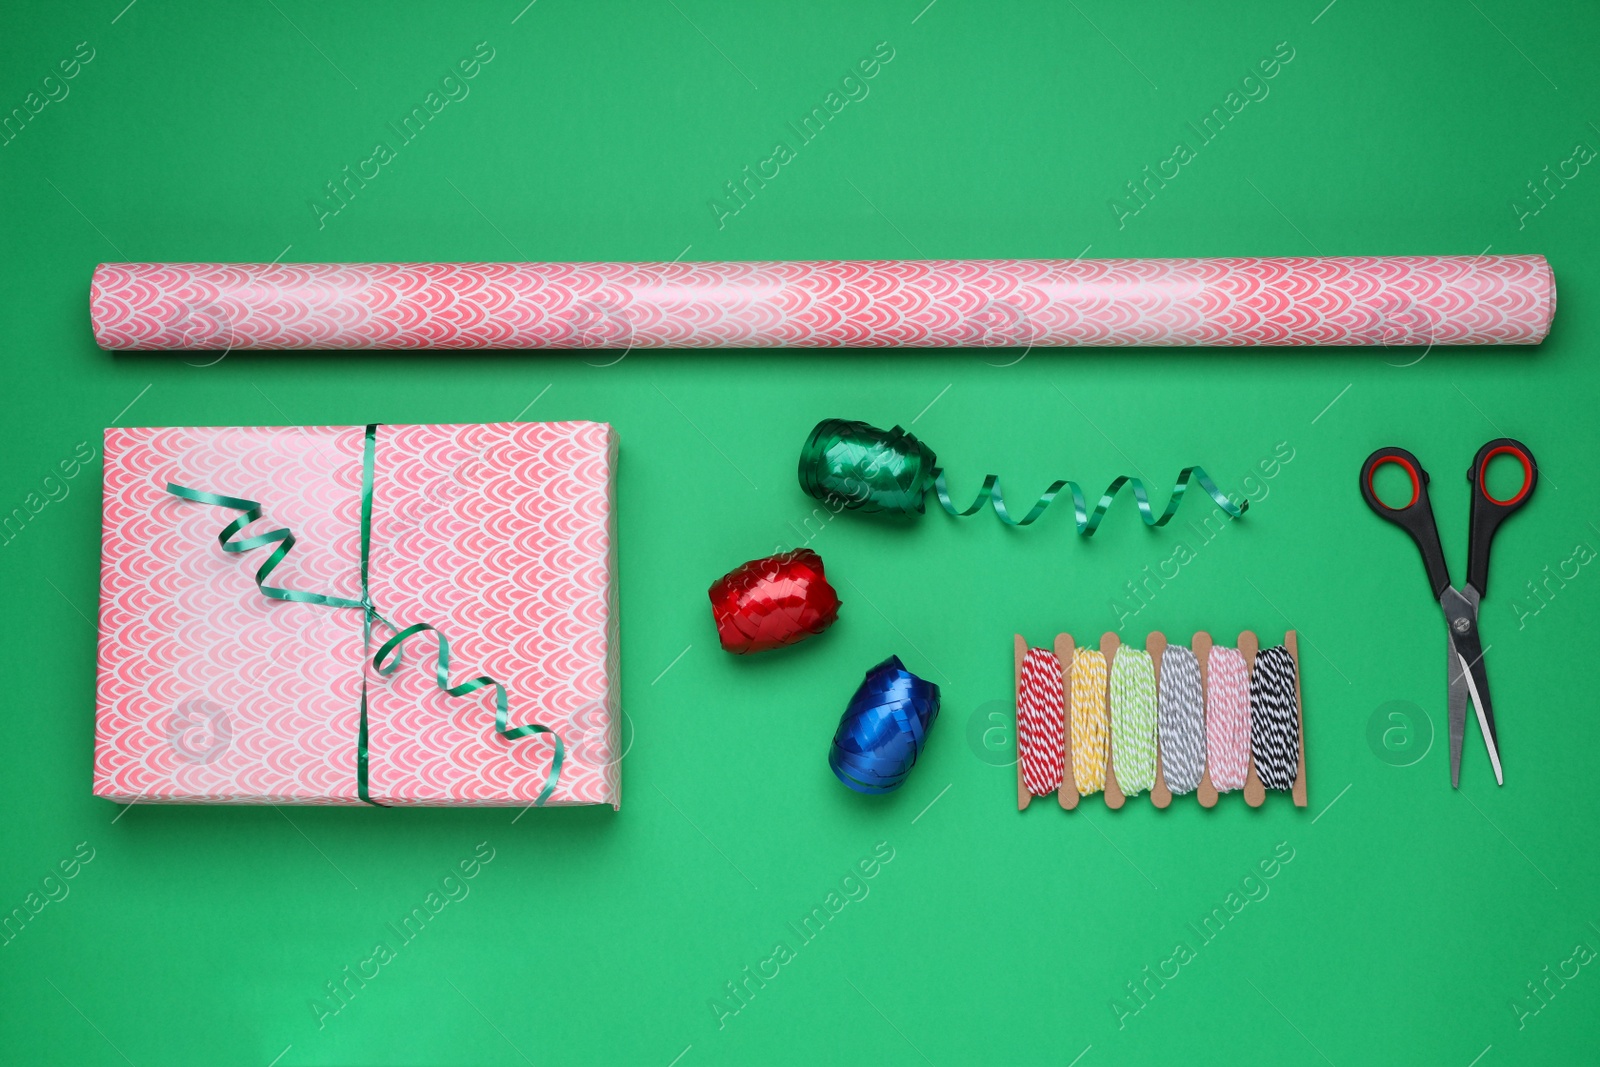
x: 501, y: 535
x: 1339, y: 300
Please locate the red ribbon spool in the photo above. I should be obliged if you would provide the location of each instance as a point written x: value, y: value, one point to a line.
x: 772, y: 602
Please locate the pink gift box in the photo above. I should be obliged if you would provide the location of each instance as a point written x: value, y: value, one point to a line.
x: 501, y: 536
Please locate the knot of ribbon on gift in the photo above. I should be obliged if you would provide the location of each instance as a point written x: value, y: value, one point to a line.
x: 387, y: 659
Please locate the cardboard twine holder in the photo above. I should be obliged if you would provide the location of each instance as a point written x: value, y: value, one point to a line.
x: 1255, y: 794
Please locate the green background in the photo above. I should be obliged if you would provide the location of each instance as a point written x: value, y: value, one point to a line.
x: 1410, y: 918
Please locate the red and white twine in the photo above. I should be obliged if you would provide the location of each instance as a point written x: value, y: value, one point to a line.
x: 1041, y: 722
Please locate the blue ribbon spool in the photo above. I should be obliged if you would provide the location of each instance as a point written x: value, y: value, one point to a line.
x: 883, y: 729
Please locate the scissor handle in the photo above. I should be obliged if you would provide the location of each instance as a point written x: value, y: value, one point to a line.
x: 1415, y: 517
x: 1487, y: 512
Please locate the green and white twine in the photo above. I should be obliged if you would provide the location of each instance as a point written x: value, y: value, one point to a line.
x: 1133, y: 720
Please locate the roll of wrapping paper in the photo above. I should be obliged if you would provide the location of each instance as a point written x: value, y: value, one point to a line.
x: 1342, y: 300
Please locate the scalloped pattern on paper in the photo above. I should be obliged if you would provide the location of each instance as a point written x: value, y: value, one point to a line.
x: 501, y: 535
x: 1337, y: 300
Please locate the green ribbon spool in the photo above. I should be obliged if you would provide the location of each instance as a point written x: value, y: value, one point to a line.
x: 867, y: 469
x: 381, y: 660
x: 871, y: 470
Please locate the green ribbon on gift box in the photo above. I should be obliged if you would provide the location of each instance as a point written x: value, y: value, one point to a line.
x: 381, y: 661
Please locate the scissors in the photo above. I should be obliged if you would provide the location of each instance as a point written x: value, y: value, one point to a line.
x: 1464, y: 666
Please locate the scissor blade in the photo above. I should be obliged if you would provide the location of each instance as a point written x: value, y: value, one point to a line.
x: 1458, y: 696
x: 1467, y: 672
x: 1478, y: 685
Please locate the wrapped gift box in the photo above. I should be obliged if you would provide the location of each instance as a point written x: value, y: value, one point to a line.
x: 500, y: 536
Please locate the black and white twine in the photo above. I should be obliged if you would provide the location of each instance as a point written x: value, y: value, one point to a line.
x: 1274, y: 720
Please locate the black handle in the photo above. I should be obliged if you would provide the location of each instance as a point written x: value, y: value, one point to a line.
x: 1416, y: 517
x: 1487, y: 512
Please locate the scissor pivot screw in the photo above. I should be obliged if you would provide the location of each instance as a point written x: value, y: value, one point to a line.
x: 1461, y: 626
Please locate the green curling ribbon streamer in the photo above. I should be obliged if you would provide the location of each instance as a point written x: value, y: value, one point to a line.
x: 890, y: 471
x: 381, y: 660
